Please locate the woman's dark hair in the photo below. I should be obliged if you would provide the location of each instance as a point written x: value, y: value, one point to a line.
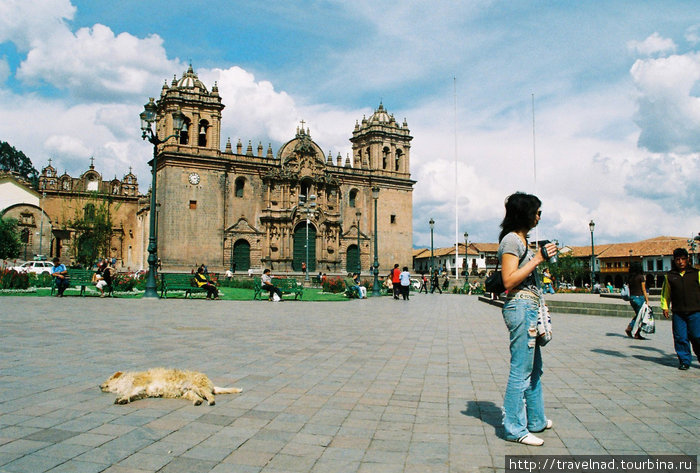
x: 636, y: 268
x: 521, y: 210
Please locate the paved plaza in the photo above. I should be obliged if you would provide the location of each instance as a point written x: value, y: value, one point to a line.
x: 361, y: 386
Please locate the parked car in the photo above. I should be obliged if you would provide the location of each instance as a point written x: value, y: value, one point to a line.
x: 38, y: 267
x: 566, y: 285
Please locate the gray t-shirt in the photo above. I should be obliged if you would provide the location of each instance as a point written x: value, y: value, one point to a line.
x: 512, y: 244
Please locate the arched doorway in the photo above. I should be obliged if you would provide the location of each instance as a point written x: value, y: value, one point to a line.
x: 300, y: 247
x: 352, y: 259
x: 241, y: 255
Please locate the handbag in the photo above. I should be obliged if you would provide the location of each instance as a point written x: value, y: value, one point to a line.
x: 648, y: 324
x: 544, y: 324
x: 494, y: 283
x: 625, y: 293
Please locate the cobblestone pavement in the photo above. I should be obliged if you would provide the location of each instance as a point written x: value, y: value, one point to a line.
x: 360, y: 386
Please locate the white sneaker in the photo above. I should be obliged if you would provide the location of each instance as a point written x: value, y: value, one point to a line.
x: 530, y: 439
x: 547, y: 426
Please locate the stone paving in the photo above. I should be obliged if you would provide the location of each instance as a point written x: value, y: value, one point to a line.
x: 360, y: 386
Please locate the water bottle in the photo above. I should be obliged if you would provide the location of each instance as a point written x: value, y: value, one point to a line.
x: 553, y: 259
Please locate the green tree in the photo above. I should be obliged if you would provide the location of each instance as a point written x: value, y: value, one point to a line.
x: 93, y: 227
x: 568, y: 268
x: 14, y: 160
x: 10, y: 243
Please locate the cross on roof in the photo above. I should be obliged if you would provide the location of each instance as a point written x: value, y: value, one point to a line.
x: 92, y: 161
x: 49, y: 161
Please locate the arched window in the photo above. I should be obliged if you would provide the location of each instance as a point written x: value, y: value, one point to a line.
x: 352, y: 198
x: 385, y: 156
x: 239, y: 187
x: 202, y: 133
x: 304, y: 191
x: 398, y: 159
x: 185, y: 133
x: 89, y: 212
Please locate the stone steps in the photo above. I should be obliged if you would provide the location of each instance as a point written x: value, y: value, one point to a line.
x: 585, y: 308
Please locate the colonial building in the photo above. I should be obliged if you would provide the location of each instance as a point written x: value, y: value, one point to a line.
x: 258, y: 208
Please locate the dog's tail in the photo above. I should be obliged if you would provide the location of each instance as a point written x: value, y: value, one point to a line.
x: 218, y: 390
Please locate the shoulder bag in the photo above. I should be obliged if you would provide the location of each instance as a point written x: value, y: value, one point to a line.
x: 494, y: 283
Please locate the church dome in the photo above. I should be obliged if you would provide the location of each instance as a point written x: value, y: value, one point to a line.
x: 190, y: 80
x: 380, y: 115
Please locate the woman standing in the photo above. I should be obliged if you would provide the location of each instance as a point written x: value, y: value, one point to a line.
x: 638, y: 296
x: 405, y: 278
x: 523, y: 405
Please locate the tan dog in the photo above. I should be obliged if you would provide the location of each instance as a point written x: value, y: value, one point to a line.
x: 161, y: 382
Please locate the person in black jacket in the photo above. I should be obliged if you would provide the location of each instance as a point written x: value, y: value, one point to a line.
x: 682, y: 290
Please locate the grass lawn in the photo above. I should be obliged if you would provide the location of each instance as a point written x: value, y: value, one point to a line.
x: 226, y: 293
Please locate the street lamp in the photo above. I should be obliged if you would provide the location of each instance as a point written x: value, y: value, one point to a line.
x: 309, y: 207
x: 375, y: 287
x: 41, y: 228
x: 466, y: 257
x: 148, y: 117
x: 693, y: 244
x: 432, y: 226
x: 358, y: 214
x: 591, y: 226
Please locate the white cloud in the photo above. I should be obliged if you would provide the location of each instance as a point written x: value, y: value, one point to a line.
x: 692, y: 35
x: 95, y: 64
x: 668, y: 114
x: 654, y: 44
x: 4, y: 69
x: 24, y: 23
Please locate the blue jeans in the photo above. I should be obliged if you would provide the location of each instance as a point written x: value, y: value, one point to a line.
x: 548, y: 288
x: 636, y: 302
x: 523, y: 405
x: 686, y: 327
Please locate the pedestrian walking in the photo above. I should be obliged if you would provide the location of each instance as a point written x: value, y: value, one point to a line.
x: 395, y: 276
x: 523, y: 404
x: 423, y: 284
x: 638, y: 297
x: 435, y: 282
x: 681, y: 292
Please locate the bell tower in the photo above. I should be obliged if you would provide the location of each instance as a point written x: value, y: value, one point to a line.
x: 202, y: 110
x: 381, y: 144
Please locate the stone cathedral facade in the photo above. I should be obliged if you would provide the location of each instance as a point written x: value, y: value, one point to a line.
x: 249, y: 207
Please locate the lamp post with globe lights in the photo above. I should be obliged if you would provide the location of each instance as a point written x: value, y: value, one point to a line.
x: 375, y: 286
x: 148, y: 118
x: 432, y: 226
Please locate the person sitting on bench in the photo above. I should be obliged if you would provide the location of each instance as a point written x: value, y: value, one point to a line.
x: 267, y: 285
x: 202, y: 281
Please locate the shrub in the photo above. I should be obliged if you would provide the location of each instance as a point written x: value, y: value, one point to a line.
x: 334, y: 285
x: 124, y: 282
x: 246, y: 283
x: 40, y: 280
x: 11, y: 279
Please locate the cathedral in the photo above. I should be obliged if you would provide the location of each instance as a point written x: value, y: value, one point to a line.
x: 253, y: 208
x: 247, y: 207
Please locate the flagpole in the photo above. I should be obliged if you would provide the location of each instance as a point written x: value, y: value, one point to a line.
x: 454, y: 82
x: 534, y: 163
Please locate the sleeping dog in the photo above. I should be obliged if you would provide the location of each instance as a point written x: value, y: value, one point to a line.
x: 161, y: 382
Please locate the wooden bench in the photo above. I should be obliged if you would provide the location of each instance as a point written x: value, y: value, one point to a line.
x: 76, y: 278
x: 178, y: 282
x: 285, y: 285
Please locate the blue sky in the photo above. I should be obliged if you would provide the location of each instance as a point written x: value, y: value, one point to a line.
x: 616, y: 89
